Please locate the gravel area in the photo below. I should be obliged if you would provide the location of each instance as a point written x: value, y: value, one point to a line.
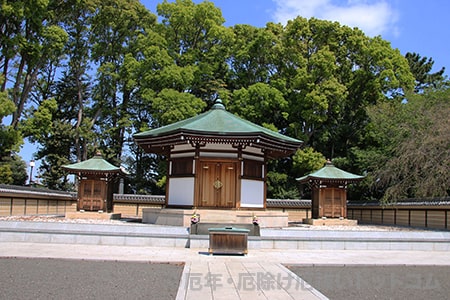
x: 361, y: 227
x: 37, y: 278
x: 137, y: 221
x: 378, y: 282
x: 62, y: 219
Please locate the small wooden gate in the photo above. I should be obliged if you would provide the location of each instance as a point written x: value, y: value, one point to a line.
x: 333, y: 202
x: 92, y: 195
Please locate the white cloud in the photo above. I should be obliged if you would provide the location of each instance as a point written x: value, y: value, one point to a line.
x: 374, y: 17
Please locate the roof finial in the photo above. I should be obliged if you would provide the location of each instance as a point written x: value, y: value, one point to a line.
x: 218, y: 104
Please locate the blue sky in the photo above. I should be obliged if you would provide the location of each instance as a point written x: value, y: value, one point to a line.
x: 410, y: 25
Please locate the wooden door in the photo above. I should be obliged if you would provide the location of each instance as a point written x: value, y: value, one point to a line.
x: 92, y: 195
x: 332, y: 203
x: 227, y: 196
x: 218, y: 184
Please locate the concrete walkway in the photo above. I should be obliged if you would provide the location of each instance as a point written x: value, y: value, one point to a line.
x: 258, y: 275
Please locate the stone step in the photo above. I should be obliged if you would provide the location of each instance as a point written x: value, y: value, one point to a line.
x: 223, y: 216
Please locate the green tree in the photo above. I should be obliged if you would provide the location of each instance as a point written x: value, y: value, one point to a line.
x: 323, y: 76
x: 307, y: 160
x: 45, y: 127
x: 412, y: 158
x: 197, y: 39
x: 334, y: 73
x: 30, y: 39
x: 260, y: 103
x: 255, y: 56
x: 64, y: 84
x: 421, y: 68
x: 172, y: 106
x: 12, y: 170
x: 116, y: 28
x: 176, y: 70
x: 73, y: 88
x: 31, y: 43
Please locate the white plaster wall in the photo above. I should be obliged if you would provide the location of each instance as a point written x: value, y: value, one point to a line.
x: 252, y: 193
x: 181, y: 191
x: 217, y: 154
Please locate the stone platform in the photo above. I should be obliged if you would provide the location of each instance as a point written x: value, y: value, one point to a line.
x: 283, y: 239
x: 95, y: 215
x: 330, y: 222
x: 182, y: 217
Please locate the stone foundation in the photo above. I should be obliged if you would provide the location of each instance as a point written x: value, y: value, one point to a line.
x: 330, y: 222
x: 182, y: 217
x: 93, y: 215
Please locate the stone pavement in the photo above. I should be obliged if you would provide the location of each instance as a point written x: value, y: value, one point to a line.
x: 258, y: 275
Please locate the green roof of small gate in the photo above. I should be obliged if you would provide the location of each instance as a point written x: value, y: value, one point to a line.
x: 95, y: 164
x: 217, y: 122
x: 330, y: 172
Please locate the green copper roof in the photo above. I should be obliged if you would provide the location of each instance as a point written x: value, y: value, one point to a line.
x: 330, y: 172
x: 217, y: 122
x: 96, y: 164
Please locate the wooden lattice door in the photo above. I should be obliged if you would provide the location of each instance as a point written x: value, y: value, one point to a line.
x: 333, y: 202
x: 92, y: 195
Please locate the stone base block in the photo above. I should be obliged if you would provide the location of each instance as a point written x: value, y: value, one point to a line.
x: 93, y: 215
x: 330, y: 222
x: 167, y: 216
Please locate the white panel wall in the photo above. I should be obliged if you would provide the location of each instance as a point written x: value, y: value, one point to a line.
x: 252, y: 193
x: 181, y: 191
x: 216, y: 154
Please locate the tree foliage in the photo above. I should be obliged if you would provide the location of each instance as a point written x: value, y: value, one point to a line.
x: 421, y: 69
x: 415, y: 138
x: 12, y: 168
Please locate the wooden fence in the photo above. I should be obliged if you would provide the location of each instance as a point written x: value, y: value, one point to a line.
x: 16, y: 201
x: 430, y: 213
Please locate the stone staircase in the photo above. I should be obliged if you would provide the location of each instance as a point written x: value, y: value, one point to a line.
x: 266, y: 218
x: 182, y: 217
x: 224, y: 216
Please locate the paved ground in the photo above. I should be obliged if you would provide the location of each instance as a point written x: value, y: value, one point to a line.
x: 43, y: 278
x: 38, y: 269
x: 259, y: 275
x: 378, y: 282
